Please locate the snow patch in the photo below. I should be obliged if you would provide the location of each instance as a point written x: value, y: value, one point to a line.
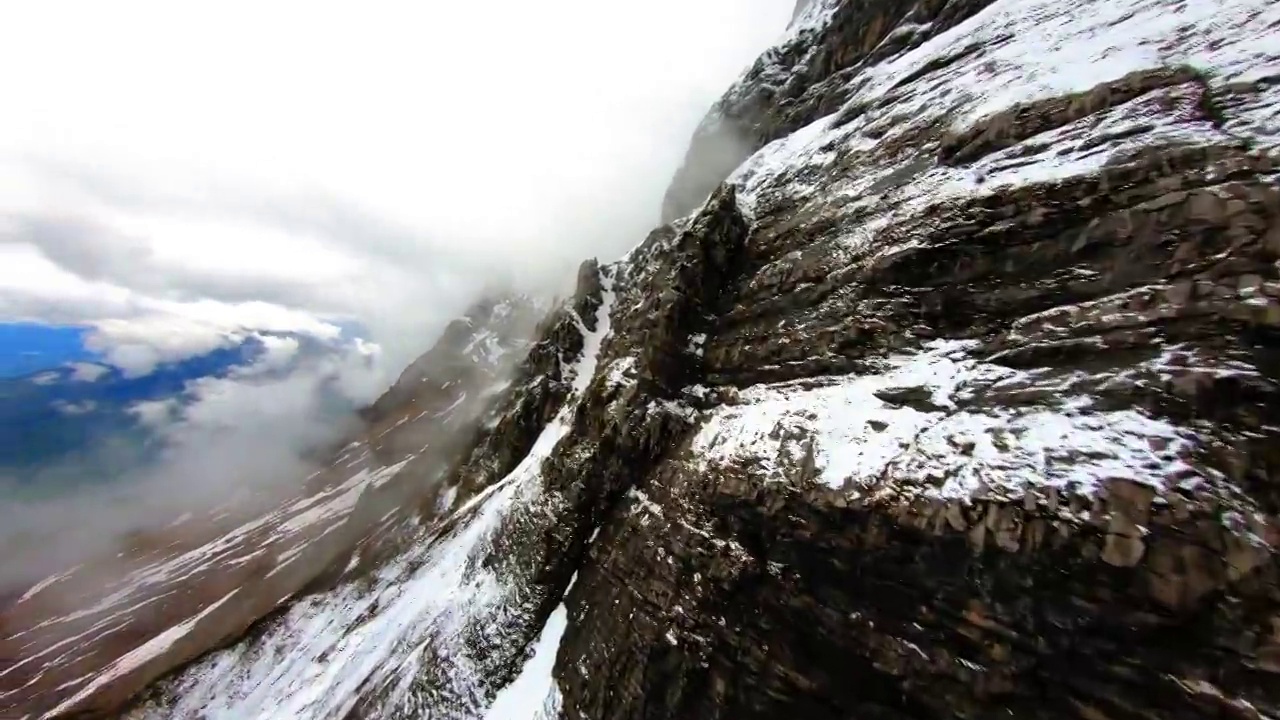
x: 534, y: 695
x: 586, y: 369
x: 47, y: 582
x: 920, y: 426
x: 642, y: 502
x: 621, y: 372
x: 445, y: 502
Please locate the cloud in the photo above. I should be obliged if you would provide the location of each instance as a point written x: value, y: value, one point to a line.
x: 73, y: 408
x: 277, y: 353
x: 182, y: 178
x: 170, y: 332
x: 87, y: 372
x: 385, y: 164
x: 155, y: 414
x: 241, y: 439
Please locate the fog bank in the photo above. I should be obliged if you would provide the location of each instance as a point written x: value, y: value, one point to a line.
x: 178, y: 178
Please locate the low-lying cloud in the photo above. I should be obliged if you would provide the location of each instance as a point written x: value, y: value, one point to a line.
x: 376, y: 163
x: 179, y: 178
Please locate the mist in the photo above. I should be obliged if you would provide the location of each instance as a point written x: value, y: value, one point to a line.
x: 178, y: 178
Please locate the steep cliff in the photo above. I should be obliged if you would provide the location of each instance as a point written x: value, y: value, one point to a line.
x: 949, y: 389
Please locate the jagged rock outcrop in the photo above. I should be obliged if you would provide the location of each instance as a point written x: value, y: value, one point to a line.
x: 948, y: 390
x: 1002, y: 440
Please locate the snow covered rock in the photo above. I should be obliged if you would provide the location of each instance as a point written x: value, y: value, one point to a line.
x: 1001, y: 439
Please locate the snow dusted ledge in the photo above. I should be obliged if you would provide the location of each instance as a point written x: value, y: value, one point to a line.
x: 920, y: 428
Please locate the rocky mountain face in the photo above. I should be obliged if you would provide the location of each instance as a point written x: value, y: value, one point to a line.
x: 949, y: 389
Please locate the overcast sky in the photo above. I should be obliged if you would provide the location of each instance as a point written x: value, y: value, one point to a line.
x: 179, y: 176
x: 175, y: 172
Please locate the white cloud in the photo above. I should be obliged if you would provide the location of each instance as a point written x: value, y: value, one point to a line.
x: 34, y: 288
x: 383, y: 165
x: 179, y: 177
x: 132, y: 330
x: 277, y: 352
x: 170, y: 332
x: 87, y: 372
x: 154, y: 413
x: 71, y: 408
x: 136, y: 346
x: 45, y: 378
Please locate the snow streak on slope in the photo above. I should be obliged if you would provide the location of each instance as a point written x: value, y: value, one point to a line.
x: 152, y: 648
x: 315, y: 661
x: 62, y: 641
x: 533, y: 695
